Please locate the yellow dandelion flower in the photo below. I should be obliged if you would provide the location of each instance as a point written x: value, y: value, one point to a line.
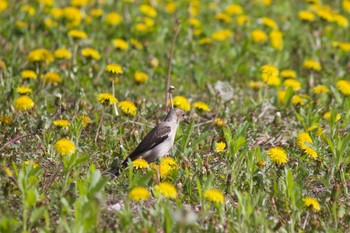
x: 168, y: 161
x: 222, y: 35
x: 62, y: 53
x: 341, y: 20
x: 23, y: 90
x: 205, y: 41
x: 28, y: 9
x: 201, y: 106
x: 297, y: 100
x: 242, y: 19
x: 6, y: 120
x: 288, y: 74
x: 273, y: 81
x: 23, y: 103
x: 28, y: 74
x: 121, y: 44
x: 281, y: 96
x: 344, y: 46
x: 270, y: 75
x: 268, y: 71
x: 114, y: 69
x: 2, y: 63
x: 312, y: 203
x: 312, y: 65
x: 140, y: 164
x: 57, y: 13
x: 234, y: 9
x: 306, y: 16
x: 141, y: 27
x: 8, y: 171
x: 72, y: 14
x: 79, y: 3
x: 182, y: 103
x: 21, y: 24
x: 27, y: 162
x: 293, y: 83
x: 91, y: 53
x: 96, y: 12
x: 276, y: 38
x: 328, y: 114
x: 148, y: 10
x: 137, y: 44
x: 167, y: 165
x: 77, y: 34
x: 49, y: 23
x: 220, y: 146
x: 344, y: 87
x: 258, y: 36
x: 139, y: 194
x: 64, y: 147
x: 85, y: 120
x: 61, y: 123
x: 256, y: 85
x: 220, y: 122
x: 3, y: 5
x: 320, y: 89
x: 113, y: 19
x: 107, y: 99
x: 170, y: 7
x: 52, y: 77
x: 140, y: 77
x: 269, y: 23
x: 304, y: 138
x: 41, y: 55
x: 310, y: 152
x: 261, y: 163
x: 214, y: 195
x: 345, y: 5
x: 194, y: 22
x: 223, y: 17
x: 278, y: 155
x: 166, y: 189
x: 149, y: 22
x: 128, y: 107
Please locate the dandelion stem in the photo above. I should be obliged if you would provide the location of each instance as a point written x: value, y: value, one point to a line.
x: 167, y: 94
x: 100, y: 124
x: 114, y: 105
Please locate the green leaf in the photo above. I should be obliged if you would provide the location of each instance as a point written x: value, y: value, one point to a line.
x: 37, y: 214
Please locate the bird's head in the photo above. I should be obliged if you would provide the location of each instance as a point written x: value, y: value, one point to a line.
x: 180, y: 115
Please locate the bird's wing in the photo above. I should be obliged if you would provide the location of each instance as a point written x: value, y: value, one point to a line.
x: 152, y: 139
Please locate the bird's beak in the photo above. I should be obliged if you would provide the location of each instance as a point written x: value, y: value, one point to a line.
x: 186, y: 120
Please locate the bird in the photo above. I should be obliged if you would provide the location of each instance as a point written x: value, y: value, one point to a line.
x: 158, y: 141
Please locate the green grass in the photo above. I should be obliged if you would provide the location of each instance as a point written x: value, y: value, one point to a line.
x: 42, y: 191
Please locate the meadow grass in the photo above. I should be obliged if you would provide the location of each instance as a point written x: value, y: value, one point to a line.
x: 265, y: 83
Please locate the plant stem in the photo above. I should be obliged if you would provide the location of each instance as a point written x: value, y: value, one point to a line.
x: 167, y: 86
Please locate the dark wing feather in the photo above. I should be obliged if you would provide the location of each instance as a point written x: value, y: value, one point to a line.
x: 152, y: 139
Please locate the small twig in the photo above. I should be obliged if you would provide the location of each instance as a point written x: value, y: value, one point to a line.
x: 167, y: 94
x: 16, y: 139
x: 305, y: 221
